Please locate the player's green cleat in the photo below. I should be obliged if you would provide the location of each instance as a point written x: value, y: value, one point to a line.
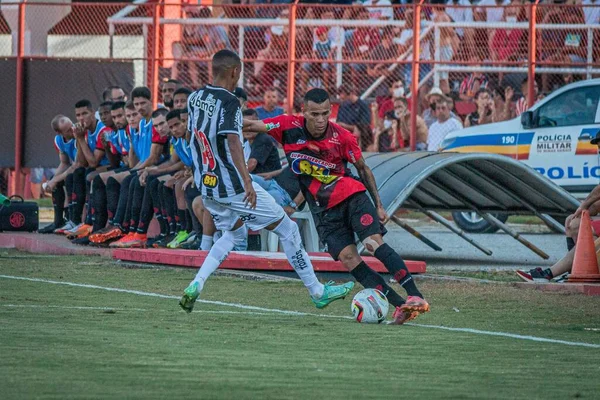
x: 190, y: 294
x: 333, y: 292
x: 179, y: 239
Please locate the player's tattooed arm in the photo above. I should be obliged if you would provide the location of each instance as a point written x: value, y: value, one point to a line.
x: 366, y: 175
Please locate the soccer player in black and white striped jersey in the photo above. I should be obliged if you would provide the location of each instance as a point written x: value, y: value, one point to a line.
x: 229, y: 195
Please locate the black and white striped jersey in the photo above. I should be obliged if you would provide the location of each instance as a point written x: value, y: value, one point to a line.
x: 214, y: 113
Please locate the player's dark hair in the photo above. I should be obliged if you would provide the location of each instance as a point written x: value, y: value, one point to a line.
x: 224, y: 60
x: 106, y: 104
x: 174, y: 114
x: 316, y: 95
x: 129, y: 105
x: 117, y: 105
x: 84, y: 103
x: 159, y: 112
x: 183, y: 90
x: 141, y: 91
x: 175, y: 81
x: 250, y: 112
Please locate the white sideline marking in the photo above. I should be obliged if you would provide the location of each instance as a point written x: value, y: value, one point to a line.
x: 71, y: 307
x: 166, y: 296
x: 263, y: 310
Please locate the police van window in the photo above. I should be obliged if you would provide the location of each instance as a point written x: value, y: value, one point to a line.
x: 575, y: 107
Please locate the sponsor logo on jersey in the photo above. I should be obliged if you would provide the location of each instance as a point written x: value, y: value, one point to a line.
x: 270, y: 126
x: 208, y: 157
x: 207, y: 105
x: 303, y: 164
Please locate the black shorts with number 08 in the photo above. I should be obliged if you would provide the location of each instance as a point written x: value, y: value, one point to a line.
x: 338, y: 225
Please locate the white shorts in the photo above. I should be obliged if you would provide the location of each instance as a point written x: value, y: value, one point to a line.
x: 226, y: 211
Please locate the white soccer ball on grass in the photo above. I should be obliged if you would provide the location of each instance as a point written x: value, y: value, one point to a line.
x: 370, y: 306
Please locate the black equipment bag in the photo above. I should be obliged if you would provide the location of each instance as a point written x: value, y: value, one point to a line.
x: 20, y: 215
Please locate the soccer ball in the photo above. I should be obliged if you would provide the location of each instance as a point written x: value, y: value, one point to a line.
x: 370, y: 306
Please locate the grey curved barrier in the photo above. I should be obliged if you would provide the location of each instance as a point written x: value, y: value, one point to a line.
x: 479, y: 182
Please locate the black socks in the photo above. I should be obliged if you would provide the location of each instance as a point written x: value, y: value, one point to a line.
x: 371, y: 279
x: 394, y: 263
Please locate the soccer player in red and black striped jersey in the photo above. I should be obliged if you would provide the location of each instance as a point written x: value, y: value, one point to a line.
x: 318, y: 152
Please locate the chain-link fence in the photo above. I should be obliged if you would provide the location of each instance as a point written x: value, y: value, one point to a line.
x: 368, y: 51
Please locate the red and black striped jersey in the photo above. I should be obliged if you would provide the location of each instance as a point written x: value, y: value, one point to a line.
x: 320, y: 164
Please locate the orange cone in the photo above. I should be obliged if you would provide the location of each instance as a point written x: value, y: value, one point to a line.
x: 585, y: 264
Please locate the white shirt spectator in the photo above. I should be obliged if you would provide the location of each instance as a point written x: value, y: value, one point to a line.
x: 493, y: 14
x: 439, y: 130
x: 592, y: 14
x: 385, y: 11
x: 464, y: 13
x: 405, y: 39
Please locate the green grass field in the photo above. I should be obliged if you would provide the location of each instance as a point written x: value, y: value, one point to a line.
x: 64, y: 341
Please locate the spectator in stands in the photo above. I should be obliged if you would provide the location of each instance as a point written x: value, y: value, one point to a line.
x: 523, y: 103
x: 449, y: 43
x: 433, y: 98
x: 442, y: 127
x: 114, y: 94
x: 321, y: 50
x: 242, y: 97
x: 273, y: 73
x: 389, y: 138
x: 383, y: 104
x: 384, y: 51
x: 462, y: 11
x: 379, y: 9
x: 503, y: 103
x: 405, y: 42
x: 485, y: 109
x: 402, y: 114
x: 335, y: 34
x: 472, y: 83
x: 492, y: 14
x: 198, y: 42
x: 270, y: 107
x: 354, y: 115
x: 363, y: 41
x: 506, y: 43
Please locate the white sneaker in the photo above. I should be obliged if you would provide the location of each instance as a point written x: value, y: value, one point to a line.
x: 65, y: 228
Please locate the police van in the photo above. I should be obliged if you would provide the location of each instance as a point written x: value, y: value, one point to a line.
x: 553, y: 137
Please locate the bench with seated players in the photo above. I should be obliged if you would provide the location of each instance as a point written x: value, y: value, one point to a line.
x: 124, y: 164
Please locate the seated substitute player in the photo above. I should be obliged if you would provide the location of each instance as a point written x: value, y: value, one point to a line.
x: 318, y: 152
x: 64, y: 142
x: 229, y: 194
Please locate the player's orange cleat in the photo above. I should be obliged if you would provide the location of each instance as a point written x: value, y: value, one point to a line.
x: 106, y: 234
x: 138, y: 240
x: 410, y: 310
x: 81, y: 232
x: 124, y: 239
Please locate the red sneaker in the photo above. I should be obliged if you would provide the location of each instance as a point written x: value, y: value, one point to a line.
x: 124, y: 239
x: 138, y: 240
x: 106, y: 234
x: 410, y: 310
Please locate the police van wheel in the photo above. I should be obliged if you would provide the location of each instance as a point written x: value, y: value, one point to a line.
x: 473, y: 223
